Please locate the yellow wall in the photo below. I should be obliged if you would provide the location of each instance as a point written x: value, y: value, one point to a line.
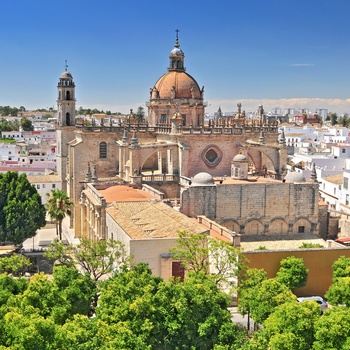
x: 318, y: 261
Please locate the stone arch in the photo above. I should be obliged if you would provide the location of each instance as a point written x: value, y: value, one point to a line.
x: 278, y: 226
x: 253, y: 227
x: 231, y: 224
x: 151, y: 162
x: 263, y: 158
x: 159, y: 159
x: 301, y: 225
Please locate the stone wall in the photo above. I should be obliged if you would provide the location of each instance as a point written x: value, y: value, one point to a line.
x: 274, y: 208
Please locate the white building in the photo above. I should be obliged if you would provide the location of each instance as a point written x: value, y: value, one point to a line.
x: 44, y: 184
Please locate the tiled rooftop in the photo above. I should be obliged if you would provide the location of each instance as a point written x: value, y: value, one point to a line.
x: 151, y: 219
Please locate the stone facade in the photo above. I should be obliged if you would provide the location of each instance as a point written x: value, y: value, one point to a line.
x: 256, y: 208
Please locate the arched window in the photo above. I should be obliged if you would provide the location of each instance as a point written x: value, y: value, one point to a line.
x: 103, y: 150
x: 67, y: 119
x: 68, y: 95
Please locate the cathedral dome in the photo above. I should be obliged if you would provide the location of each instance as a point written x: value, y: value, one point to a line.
x: 202, y: 179
x: 177, y: 84
x: 294, y: 177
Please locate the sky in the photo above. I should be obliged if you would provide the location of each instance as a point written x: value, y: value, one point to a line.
x: 278, y: 53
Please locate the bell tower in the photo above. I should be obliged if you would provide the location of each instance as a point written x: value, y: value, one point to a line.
x: 66, y: 99
x: 65, y: 131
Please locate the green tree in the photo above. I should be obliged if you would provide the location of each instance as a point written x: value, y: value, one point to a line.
x: 169, y: 315
x: 192, y: 250
x: 95, y: 258
x: 268, y: 295
x: 77, y: 289
x: 291, y: 326
x: 332, y: 330
x: 21, y: 210
x: 248, y: 286
x: 140, y: 114
x: 339, y: 292
x: 14, y: 264
x: 10, y: 286
x: 341, y: 268
x: 32, y: 331
x: 200, y: 253
x: 26, y: 124
x: 334, y: 118
x: 344, y: 120
x: 58, y: 207
x: 292, y: 272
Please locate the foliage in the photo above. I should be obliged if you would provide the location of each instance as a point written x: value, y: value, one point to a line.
x: 168, y: 315
x: 339, y: 292
x: 14, y: 263
x: 291, y: 326
x: 200, y: 253
x: 58, y: 207
x: 140, y: 114
x: 334, y: 118
x: 26, y: 124
x: 332, y: 330
x: 95, y: 258
x: 266, y: 296
x: 32, y: 331
x: 341, y: 268
x: 247, y: 286
x: 76, y: 288
x: 7, y: 110
x: 6, y: 125
x: 21, y: 210
x: 292, y: 272
x: 261, y: 247
x: 192, y: 250
x: 344, y: 120
x: 306, y: 245
x: 10, y: 286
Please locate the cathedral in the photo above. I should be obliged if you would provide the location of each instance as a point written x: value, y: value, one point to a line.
x: 167, y: 149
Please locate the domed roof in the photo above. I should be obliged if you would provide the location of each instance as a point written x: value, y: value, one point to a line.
x: 239, y: 158
x: 294, y: 177
x: 202, y: 179
x: 176, y: 51
x: 66, y: 75
x: 185, y: 85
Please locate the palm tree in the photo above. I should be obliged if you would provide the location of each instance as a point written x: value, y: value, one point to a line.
x: 58, y: 207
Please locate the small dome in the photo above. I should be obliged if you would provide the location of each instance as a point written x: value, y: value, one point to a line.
x: 240, y: 158
x: 185, y: 85
x: 176, y: 51
x: 66, y: 75
x: 202, y: 179
x: 294, y: 177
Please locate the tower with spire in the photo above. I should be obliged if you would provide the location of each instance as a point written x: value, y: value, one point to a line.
x: 66, y: 98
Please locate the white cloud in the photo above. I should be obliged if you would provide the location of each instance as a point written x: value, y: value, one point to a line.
x: 335, y: 105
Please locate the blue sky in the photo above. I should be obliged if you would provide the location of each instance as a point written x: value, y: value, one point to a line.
x: 279, y: 53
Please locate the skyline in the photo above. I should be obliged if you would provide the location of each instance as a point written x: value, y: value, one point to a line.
x: 275, y: 53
